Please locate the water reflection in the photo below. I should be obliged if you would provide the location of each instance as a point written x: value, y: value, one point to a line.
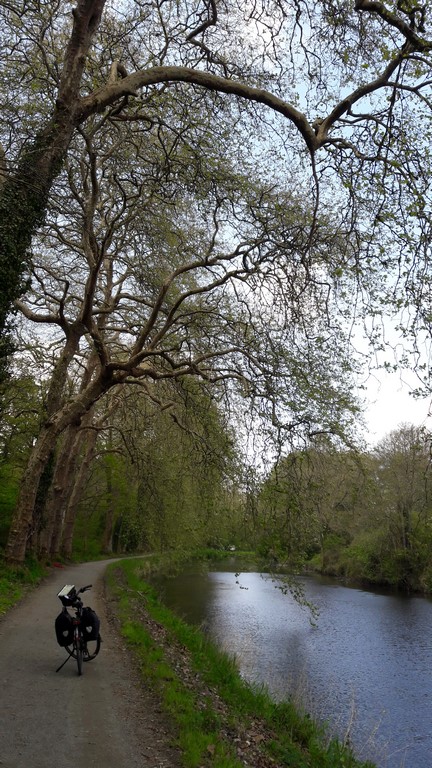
x: 370, y: 656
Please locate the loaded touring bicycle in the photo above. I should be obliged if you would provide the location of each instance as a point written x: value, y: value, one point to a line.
x: 79, y: 632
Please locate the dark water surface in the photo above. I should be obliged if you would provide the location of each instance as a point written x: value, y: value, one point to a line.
x: 367, y: 667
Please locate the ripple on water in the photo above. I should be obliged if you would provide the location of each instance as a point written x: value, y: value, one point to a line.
x: 366, y: 667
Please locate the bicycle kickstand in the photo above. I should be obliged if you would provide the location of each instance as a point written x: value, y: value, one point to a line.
x: 62, y: 665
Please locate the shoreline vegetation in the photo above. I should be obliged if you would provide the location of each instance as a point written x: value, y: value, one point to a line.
x: 221, y: 720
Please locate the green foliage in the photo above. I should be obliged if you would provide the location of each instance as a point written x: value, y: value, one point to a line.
x: 167, y: 483
x: 370, y: 558
x: 360, y: 560
x: 331, y: 547
x: 109, y: 490
x: 9, y: 483
x: 20, y: 408
x: 87, y: 543
x: 21, y: 404
x: 306, y: 503
x: 15, y: 582
x: 362, y: 517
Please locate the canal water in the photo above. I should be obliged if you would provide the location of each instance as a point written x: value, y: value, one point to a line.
x: 365, y: 669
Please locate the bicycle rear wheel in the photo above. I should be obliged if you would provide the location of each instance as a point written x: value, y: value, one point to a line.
x: 91, y: 648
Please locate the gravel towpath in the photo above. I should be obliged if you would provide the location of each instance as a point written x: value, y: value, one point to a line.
x: 104, y: 719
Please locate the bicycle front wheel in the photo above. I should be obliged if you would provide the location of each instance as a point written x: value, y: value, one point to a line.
x: 78, y: 650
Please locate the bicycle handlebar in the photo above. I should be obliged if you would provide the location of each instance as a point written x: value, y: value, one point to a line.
x: 69, y: 595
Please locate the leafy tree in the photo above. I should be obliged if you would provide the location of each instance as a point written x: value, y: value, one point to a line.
x: 404, y: 477
x: 161, y: 479
x: 131, y: 141
x: 312, y: 502
x: 343, y: 86
x: 368, y: 515
x: 121, y: 314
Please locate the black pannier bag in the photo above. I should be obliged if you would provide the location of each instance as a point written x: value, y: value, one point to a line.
x: 90, y: 624
x: 64, y: 628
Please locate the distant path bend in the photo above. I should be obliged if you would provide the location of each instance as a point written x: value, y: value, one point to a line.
x: 104, y: 719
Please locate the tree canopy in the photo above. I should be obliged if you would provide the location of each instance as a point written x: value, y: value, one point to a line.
x: 210, y: 191
x: 340, y: 89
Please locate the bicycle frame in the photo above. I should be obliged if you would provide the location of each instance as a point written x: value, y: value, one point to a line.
x: 78, y: 640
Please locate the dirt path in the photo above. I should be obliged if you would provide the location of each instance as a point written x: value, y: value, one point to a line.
x: 104, y: 719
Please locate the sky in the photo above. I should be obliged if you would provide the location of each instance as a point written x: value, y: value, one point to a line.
x: 390, y: 404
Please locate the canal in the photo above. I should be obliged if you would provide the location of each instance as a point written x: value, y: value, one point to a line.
x: 365, y: 669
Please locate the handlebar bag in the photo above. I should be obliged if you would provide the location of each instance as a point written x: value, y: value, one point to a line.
x: 90, y: 624
x: 64, y: 628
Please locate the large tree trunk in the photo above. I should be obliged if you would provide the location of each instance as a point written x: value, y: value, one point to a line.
x: 22, y: 528
x: 64, y: 484
x: 75, y: 437
x: 71, y: 413
x: 107, y: 538
x: 24, y: 194
x: 75, y: 497
x: 39, y: 507
x: 60, y: 488
x: 28, y: 498
x: 88, y: 440
x: 63, y: 500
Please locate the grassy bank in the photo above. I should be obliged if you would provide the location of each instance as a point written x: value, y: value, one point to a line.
x: 15, y: 582
x: 221, y: 721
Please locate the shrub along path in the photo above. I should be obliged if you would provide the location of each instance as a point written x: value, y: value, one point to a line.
x: 104, y: 718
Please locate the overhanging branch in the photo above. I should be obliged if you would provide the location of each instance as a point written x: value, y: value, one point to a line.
x: 112, y: 92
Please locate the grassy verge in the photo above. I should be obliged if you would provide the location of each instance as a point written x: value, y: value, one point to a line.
x: 217, y: 714
x: 15, y: 582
